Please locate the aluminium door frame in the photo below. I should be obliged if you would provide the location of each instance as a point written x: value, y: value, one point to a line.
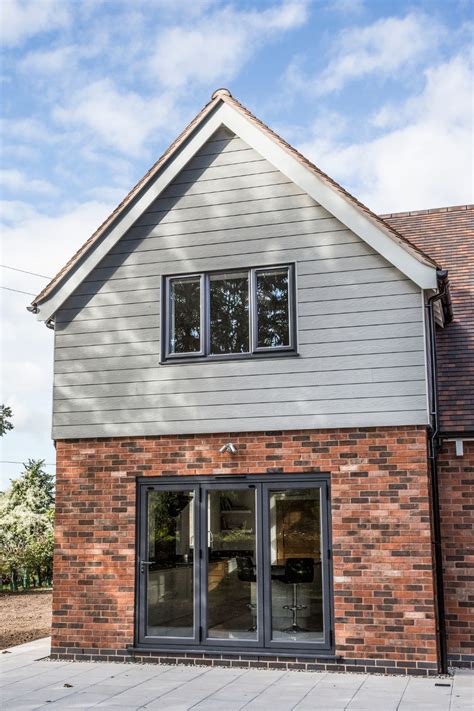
x: 143, y: 575
x: 205, y: 523
x: 322, y: 486
x: 198, y: 643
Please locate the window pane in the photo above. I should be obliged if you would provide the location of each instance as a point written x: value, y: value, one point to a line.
x: 273, y: 323
x: 296, y: 574
x: 229, y: 312
x: 170, y: 586
x: 232, y: 569
x: 185, y: 315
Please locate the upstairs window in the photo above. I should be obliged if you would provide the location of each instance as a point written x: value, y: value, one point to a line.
x: 234, y: 313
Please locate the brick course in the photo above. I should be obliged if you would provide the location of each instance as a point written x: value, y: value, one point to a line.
x: 382, y: 557
x: 456, y: 478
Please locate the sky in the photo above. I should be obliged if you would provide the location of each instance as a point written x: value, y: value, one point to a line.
x: 378, y: 93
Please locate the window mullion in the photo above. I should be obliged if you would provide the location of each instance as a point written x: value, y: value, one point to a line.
x: 252, y: 310
x: 205, y: 314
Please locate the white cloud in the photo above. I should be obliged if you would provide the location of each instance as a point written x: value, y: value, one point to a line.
x: 49, y: 61
x: 21, y: 19
x: 424, y: 159
x: 382, y: 48
x: 15, y: 180
x: 347, y: 7
x: 119, y: 119
x: 218, y: 45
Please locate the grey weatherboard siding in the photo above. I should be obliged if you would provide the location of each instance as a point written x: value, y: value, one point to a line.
x: 361, y: 355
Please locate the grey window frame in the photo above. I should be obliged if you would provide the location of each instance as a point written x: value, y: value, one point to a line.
x: 264, y: 645
x: 167, y: 311
x: 254, y: 350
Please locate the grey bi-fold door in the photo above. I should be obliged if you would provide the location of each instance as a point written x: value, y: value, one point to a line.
x: 234, y: 562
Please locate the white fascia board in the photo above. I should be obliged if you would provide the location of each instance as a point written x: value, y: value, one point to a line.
x: 48, y: 307
x: 349, y: 214
x: 224, y: 114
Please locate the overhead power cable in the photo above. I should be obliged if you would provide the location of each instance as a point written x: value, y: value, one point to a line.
x: 7, y: 288
x: 24, y: 271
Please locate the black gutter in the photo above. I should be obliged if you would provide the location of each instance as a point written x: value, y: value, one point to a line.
x: 433, y: 449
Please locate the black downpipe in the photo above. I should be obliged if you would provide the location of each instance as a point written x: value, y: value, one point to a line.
x: 433, y: 449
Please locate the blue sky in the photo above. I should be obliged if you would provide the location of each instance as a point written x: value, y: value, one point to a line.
x: 377, y: 93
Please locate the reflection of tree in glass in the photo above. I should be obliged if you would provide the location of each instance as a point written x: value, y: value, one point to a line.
x: 229, y: 313
x: 185, y: 315
x: 164, y: 509
x: 272, y: 309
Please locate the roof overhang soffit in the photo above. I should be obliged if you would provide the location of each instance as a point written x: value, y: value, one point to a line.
x: 353, y: 217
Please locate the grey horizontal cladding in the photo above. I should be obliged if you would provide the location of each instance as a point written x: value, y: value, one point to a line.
x: 157, y: 385
x: 224, y: 158
x: 211, y: 174
x: 341, y: 265
x: 247, y: 396
x: 148, y: 276
x: 382, y: 273
x: 354, y: 291
x: 246, y: 423
x: 106, y: 312
x: 116, y: 298
x: 224, y: 184
x: 360, y: 318
x: 126, y: 323
x: 213, y: 372
x: 181, y: 213
x: 390, y: 326
x: 267, y: 229
x: 245, y: 254
x: 110, y: 350
x: 127, y: 276
x: 66, y: 340
x: 274, y: 191
x: 321, y: 349
x: 360, y: 333
x: 354, y: 304
x: 140, y: 258
x: 185, y: 413
x: 222, y: 146
x: 360, y: 355
x: 218, y: 223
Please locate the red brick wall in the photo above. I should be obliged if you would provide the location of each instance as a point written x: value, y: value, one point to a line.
x: 382, y: 558
x: 456, y: 478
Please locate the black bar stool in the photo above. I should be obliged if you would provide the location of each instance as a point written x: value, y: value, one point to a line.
x: 297, y: 571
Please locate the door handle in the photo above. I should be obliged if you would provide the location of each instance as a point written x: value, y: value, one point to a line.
x: 145, y: 562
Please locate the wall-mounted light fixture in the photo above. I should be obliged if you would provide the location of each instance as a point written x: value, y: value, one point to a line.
x: 229, y: 447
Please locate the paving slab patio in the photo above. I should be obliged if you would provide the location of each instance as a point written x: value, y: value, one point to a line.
x: 28, y: 680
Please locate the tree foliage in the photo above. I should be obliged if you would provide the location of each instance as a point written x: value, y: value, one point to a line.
x: 27, y: 527
x: 5, y: 419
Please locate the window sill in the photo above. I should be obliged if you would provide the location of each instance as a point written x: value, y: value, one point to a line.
x: 230, y: 357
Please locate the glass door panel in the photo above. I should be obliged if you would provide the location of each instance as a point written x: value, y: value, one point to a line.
x: 231, y: 582
x: 296, y: 591
x: 170, y: 564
